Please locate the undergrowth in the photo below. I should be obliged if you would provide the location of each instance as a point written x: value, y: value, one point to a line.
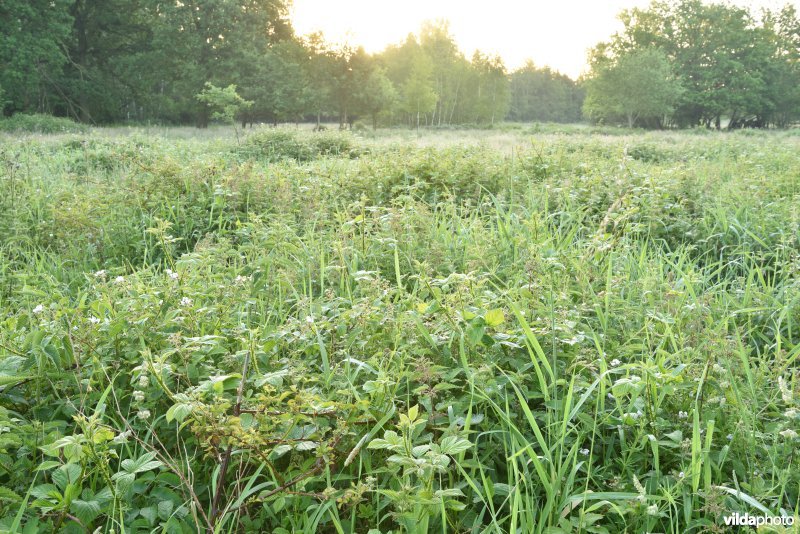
x: 313, y: 333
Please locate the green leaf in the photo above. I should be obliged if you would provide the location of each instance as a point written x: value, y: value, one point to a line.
x: 86, y: 511
x: 178, y: 412
x: 495, y: 317
x: 454, y: 445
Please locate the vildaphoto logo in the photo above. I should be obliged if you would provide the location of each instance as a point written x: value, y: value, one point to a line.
x: 747, y: 520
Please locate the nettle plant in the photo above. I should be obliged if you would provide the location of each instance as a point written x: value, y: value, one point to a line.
x: 416, y: 464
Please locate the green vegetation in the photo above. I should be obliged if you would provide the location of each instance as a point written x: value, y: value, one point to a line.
x: 143, y: 62
x: 732, y: 64
x: 520, y: 329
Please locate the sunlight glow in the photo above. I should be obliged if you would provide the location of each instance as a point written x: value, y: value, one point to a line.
x: 554, y: 33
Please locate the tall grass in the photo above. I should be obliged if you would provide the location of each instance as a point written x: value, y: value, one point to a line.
x: 320, y: 333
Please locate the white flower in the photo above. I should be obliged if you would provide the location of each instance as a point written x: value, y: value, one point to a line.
x: 138, y: 396
x: 309, y: 319
x: 681, y: 474
x: 791, y: 413
x: 186, y: 301
x: 122, y: 437
x: 174, y: 276
x: 730, y: 437
x: 143, y: 414
x: 652, y: 509
x: 101, y: 274
x: 144, y: 381
x: 94, y: 320
x: 38, y: 309
x: 119, y: 280
x: 615, y: 362
x: 786, y: 393
x: 584, y: 452
x: 683, y: 415
x: 788, y: 433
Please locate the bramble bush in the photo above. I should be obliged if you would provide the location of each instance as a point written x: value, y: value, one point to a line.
x: 580, y: 335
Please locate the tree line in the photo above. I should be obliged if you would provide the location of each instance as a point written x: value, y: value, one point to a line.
x: 688, y: 63
x: 108, y: 61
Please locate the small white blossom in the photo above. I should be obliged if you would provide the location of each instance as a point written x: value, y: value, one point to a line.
x: 143, y: 414
x: 101, y: 274
x: 615, y: 362
x: 138, y: 396
x: 309, y: 319
x: 791, y: 413
x: 786, y: 393
x: 729, y: 437
x: 122, y: 437
x: 94, y: 320
x: 144, y: 381
x: 584, y: 452
x: 681, y: 474
x: 119, y: 280
x: 652, y: 509
x: 788, y: 433
x: 683, y: 415
x: 38, y: 309
x: 186, y: 301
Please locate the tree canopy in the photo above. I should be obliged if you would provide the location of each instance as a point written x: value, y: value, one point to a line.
x: 674, y: 64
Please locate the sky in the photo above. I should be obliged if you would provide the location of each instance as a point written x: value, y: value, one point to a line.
x: 556, y: 33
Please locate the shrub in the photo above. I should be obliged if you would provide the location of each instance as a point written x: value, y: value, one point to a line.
x: 277, y: 144
x: 40, y: 123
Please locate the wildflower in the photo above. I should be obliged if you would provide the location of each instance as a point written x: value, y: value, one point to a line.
x: 652, y: 509
x: 144, y: 381
x: 786, y: 393
x: 309, y: 319
x: 615, y: 362
x: 791, y: 413
x: 38, y: 309
x: 122, y: 437
x: 143, y: 414
x: 681, y: 474
x: 729, y: 437
x: 683, y: 415
x: 186, y: 301
x: 172, y: 274
x: 119, y: 280
x: 101, y: 274
x: 138, y: 396
x: 94, y: 320
x: 788, y: 433
x: 584, y: 452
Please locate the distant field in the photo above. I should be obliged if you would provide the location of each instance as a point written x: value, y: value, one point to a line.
x: 533, y: 328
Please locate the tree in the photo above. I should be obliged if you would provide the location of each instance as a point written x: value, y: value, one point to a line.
x: 541, y: 94
x: 490, y: 91
x: 225, y: 103
x: 637, y: 86
x: 33, y: 36
x: 376, y: 96
x: 717, y: 51
x: 419, y: 97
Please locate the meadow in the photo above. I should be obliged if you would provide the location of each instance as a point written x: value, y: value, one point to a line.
x: 529, y: 329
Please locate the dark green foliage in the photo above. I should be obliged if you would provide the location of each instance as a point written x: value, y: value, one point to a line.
x: 40, y: 123
x: 278, y: 144
x: 732, y: 67
x: 543, y: 95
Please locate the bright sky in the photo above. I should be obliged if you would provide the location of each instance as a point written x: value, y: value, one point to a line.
x: 551, y: 32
